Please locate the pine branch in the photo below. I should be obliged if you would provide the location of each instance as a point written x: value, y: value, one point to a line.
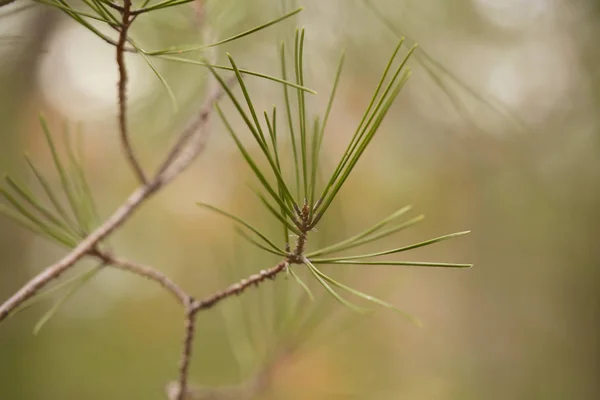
x: 122, y: 93
x: 145, y: 272
x: 121, y: 215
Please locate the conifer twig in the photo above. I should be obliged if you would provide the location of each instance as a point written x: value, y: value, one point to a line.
x: 122, y: 93
x: 146, y: 272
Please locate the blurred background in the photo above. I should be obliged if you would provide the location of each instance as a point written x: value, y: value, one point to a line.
x: 497, y: 131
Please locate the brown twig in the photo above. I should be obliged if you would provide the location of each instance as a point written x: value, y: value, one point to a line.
x: 146, y: 272
x: 187, y: 150
x: 186, y: 354
x: 112, y: 223
x: 177, y: 157
x: 214, y: 94
x: 55, y: 270
x: 233, y: 290
x: 237, y: 288
x: 122, y: 89
x: 250, y: 389
x: 190, y: 144
x: 192, y: 307
x: 195, y: 306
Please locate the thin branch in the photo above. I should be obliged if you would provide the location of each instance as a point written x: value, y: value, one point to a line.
x: 55, y: 270
x: 215, y: 93
x: 145, y: 272
x: 186, y: 354
x: 113, y: 222
x: 122, y: 88
x: 187, y: 151
x: 237, y: 288
x: 178, y: 166
x: 233, y: 290
x: 248, y: 390
x: 192, y: 309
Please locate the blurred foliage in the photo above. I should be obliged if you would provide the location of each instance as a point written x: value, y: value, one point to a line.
x: 521, y: 324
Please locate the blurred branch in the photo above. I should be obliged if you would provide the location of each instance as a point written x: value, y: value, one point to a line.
x: 17, y: 78
x: 175, y: 160
x: 441, y: 75
x: 244, y: 391
x: 144, y: 271
x: 192, y: 140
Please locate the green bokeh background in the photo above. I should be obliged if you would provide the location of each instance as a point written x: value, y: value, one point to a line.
x: 521, y: 324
